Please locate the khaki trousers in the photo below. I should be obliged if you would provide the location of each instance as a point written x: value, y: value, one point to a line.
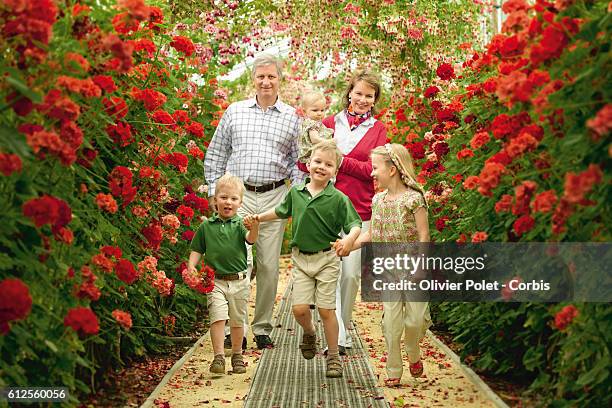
x: 411, y: 319
x: 267, y: 247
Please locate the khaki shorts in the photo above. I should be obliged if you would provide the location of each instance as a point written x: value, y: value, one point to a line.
x: 314, y: 278
x: 228, y: 301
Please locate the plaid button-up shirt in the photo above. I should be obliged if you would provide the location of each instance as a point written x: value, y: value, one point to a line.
x: 259, y: 147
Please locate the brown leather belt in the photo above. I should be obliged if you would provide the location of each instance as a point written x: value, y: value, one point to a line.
x: 231, y: 276
x: 265, y: 187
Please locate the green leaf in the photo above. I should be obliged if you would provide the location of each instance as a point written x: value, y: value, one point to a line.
x: 11, y: 139
x: 51, y: 345
x: 24, y: 90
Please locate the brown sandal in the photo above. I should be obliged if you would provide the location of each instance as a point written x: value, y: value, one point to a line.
x: 238, y: 366
x: 334, y: 366
x: 309, y: 346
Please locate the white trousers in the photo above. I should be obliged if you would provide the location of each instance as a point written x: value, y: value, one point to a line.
x: 411, y: 319
x: 346, y: 291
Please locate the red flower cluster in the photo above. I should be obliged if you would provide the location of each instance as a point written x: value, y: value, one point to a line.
x: 115, y: 107
x: 48, y: 210
x: 523, y: 224
x: 565, y: 316
x: 178, y: 160
x: 15, y: 302
x: 9, y: 163
x: 196, y: 129
x: 57, y: 106
x: 185, y: 214
x: 523, y: 194
x: 431, y: 92
x: 203, y: 281
x: 480, y: 139
x: 504, y: 204
x: 601, y: 124
x: 121, y: 50
x: 121, y: 133
x: 545, y: 202
x: 183, y: 44
x: 85, y: 87
x: 196, y: 202
x: 87, y: 288
x: 33, y: 21
x: 153, y: 234
x: 123, y: 318
x: 106, y: 202
x: 479, y: 236
x: 125, y: 271
x: 489, y: 177
x: 105, y: 82
x: 445, y: 72
x: 578, y: 185
x: 82, y: 320
x: 120, y: 184
x: 151, y: 98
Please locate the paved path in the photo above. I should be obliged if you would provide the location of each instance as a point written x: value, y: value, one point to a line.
x: 445, y: 383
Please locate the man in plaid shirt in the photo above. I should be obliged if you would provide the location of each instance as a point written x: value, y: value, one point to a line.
x: 256, y: 140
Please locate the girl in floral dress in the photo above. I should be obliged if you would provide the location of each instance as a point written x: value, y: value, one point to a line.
x: 399, y: 214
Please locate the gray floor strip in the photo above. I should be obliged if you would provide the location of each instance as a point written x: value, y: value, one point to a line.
x: 284, y: 379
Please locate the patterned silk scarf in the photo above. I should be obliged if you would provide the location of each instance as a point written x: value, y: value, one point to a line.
x: 356, y: 119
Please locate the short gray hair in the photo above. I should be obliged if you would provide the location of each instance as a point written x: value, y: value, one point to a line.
x: 266, y: 59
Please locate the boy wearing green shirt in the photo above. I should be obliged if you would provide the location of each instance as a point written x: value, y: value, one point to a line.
x: 222, y: 238
x: 319, y: 213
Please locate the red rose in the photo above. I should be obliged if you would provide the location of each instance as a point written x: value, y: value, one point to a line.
x: 15, y: 302
x: 126, y: 271
x: 445, y: 71
x: 82, y: 319
x: 523, y: 224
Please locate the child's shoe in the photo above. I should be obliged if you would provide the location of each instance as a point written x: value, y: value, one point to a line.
x: 238, y: 366
x: 416, y: 369
x: 334, y: 366
x: 218, y: 364
x: 309, y: 346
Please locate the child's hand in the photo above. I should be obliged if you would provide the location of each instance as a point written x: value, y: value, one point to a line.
x: 343, y: 246
x: 191, y: 269
x: 251, y: 221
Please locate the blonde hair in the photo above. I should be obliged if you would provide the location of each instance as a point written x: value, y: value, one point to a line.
x: 232, y: 181
x: 310, y: 97
x: 397, y: 155
x: 369, y: 78
x: 328, y: 145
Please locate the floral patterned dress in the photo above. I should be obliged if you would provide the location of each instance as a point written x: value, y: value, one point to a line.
x: 393, y: 220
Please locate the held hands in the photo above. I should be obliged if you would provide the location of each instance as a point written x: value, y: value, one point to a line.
x: 251, y: 221
x: 343, y: 246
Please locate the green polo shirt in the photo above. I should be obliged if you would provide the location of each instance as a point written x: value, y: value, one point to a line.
x: 317, y: 220
x: 223, y: 242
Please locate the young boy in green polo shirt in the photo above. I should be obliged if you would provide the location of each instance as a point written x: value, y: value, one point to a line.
x: 319, y: 212
x: 222, y: 238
